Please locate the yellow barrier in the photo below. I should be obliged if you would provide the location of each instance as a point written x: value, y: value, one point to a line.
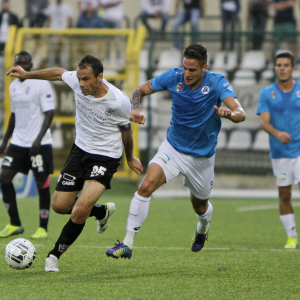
x: 126, y: 77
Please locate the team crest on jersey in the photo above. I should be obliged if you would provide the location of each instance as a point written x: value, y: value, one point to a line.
x: 205, y: 90
x: 179, y: 87
x: 109, y: 111
x: 273, y: 95
x: 27, y: 90
x: 298, y: 94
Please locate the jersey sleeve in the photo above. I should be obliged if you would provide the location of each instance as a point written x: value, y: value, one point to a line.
x: 46, y: 96
x: 263, y: 105
x: 162, y: 81
x: 224, y: 88
x: 70, y: 78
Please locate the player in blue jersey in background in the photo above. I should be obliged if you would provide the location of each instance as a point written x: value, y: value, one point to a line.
x: 189, y: 148
x: 279, y: 110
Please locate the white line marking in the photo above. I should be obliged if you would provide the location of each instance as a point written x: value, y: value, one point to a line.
x: 178, y: 248
x: 263, y: 207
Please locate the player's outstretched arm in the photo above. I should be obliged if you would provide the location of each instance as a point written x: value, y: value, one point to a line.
x: 136, y: 99
x: 133, y: 163
x: 52, y: 74
x: 233, y: 110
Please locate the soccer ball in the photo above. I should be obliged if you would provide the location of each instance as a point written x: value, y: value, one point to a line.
x: 20, y: 254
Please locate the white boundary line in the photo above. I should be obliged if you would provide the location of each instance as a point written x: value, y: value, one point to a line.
x: 224, y: 193
x: 178, y: 248
x: 263, y: 207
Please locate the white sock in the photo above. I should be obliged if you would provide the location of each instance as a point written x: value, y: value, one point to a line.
x: 288, y: 222
x: 138, y: 212
x: 204, y: 220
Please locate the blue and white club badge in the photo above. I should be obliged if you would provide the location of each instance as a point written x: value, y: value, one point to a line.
x: 205, y: 90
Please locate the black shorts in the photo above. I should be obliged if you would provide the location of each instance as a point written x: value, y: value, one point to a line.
x: 81, y: 166
x: 18, y: 159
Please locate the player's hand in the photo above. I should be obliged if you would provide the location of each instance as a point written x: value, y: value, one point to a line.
x: 34, y: 150
x: 136, y: 116
x: 135, y: 165
x: 223, y: 111
x: 17, y: 71
x: 283, y: 137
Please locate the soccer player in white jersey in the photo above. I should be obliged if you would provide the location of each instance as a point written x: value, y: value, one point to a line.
x: 102, y: 128
x: 279, y: 110
x: 32, y: 108
x: 189, y: 148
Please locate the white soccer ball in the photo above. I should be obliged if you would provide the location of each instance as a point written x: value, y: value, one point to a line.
x: 20, y: 254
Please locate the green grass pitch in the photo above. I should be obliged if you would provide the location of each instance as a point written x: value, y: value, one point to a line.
x: 245, y: 258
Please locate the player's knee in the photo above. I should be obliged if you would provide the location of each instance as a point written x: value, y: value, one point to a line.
x: 146, y: 188
x: 79, y: 216
x: 285, y: 197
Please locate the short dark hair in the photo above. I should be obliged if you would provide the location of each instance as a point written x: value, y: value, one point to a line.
x: 196, y: 51
x: 286, y: 54
x: 24, y: 53
x: 92, y: 62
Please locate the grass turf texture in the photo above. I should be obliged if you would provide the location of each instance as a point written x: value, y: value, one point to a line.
x: 245, y: 258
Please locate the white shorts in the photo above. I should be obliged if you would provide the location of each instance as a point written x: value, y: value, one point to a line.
x: 198, y: 171
x: 286, y: 171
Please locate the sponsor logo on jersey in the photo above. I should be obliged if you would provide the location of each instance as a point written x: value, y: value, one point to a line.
x: 179, y: 86
x: 230, y: 88
x: 205, y: 90
x: 48, y: 96
x: 109, y: 111
x: 89, y: 112
x: 165, y: 158
x: 273, y: 95
x: 68, y: 179
x: 27, y: 90
x: 298, y: 94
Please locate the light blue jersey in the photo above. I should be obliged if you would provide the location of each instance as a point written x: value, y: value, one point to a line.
x: 284, y: 109
x: 195, y: 125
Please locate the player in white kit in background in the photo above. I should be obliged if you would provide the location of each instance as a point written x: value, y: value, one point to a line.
x: 32, y: 109
x: 102, y: 128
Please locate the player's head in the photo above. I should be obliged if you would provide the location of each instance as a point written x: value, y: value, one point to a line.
x: 24, y: 60
x: 90, y: 61
x: 89, y: 74
x: 284, y: 66
x: 194, y: 64
x: 286, y: 54
x: 196, y: 51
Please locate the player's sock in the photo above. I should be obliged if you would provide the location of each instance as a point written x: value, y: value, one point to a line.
x: 68, y: 236
x: 10, y: 202
x: 45, y: 200
x: 98, y: 211
x: 138, y: 212
x: 204, y: 220
x: 288, y: 222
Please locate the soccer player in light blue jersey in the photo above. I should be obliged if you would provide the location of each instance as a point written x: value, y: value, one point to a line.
x: 279, y: 110
x: 189, y: 148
